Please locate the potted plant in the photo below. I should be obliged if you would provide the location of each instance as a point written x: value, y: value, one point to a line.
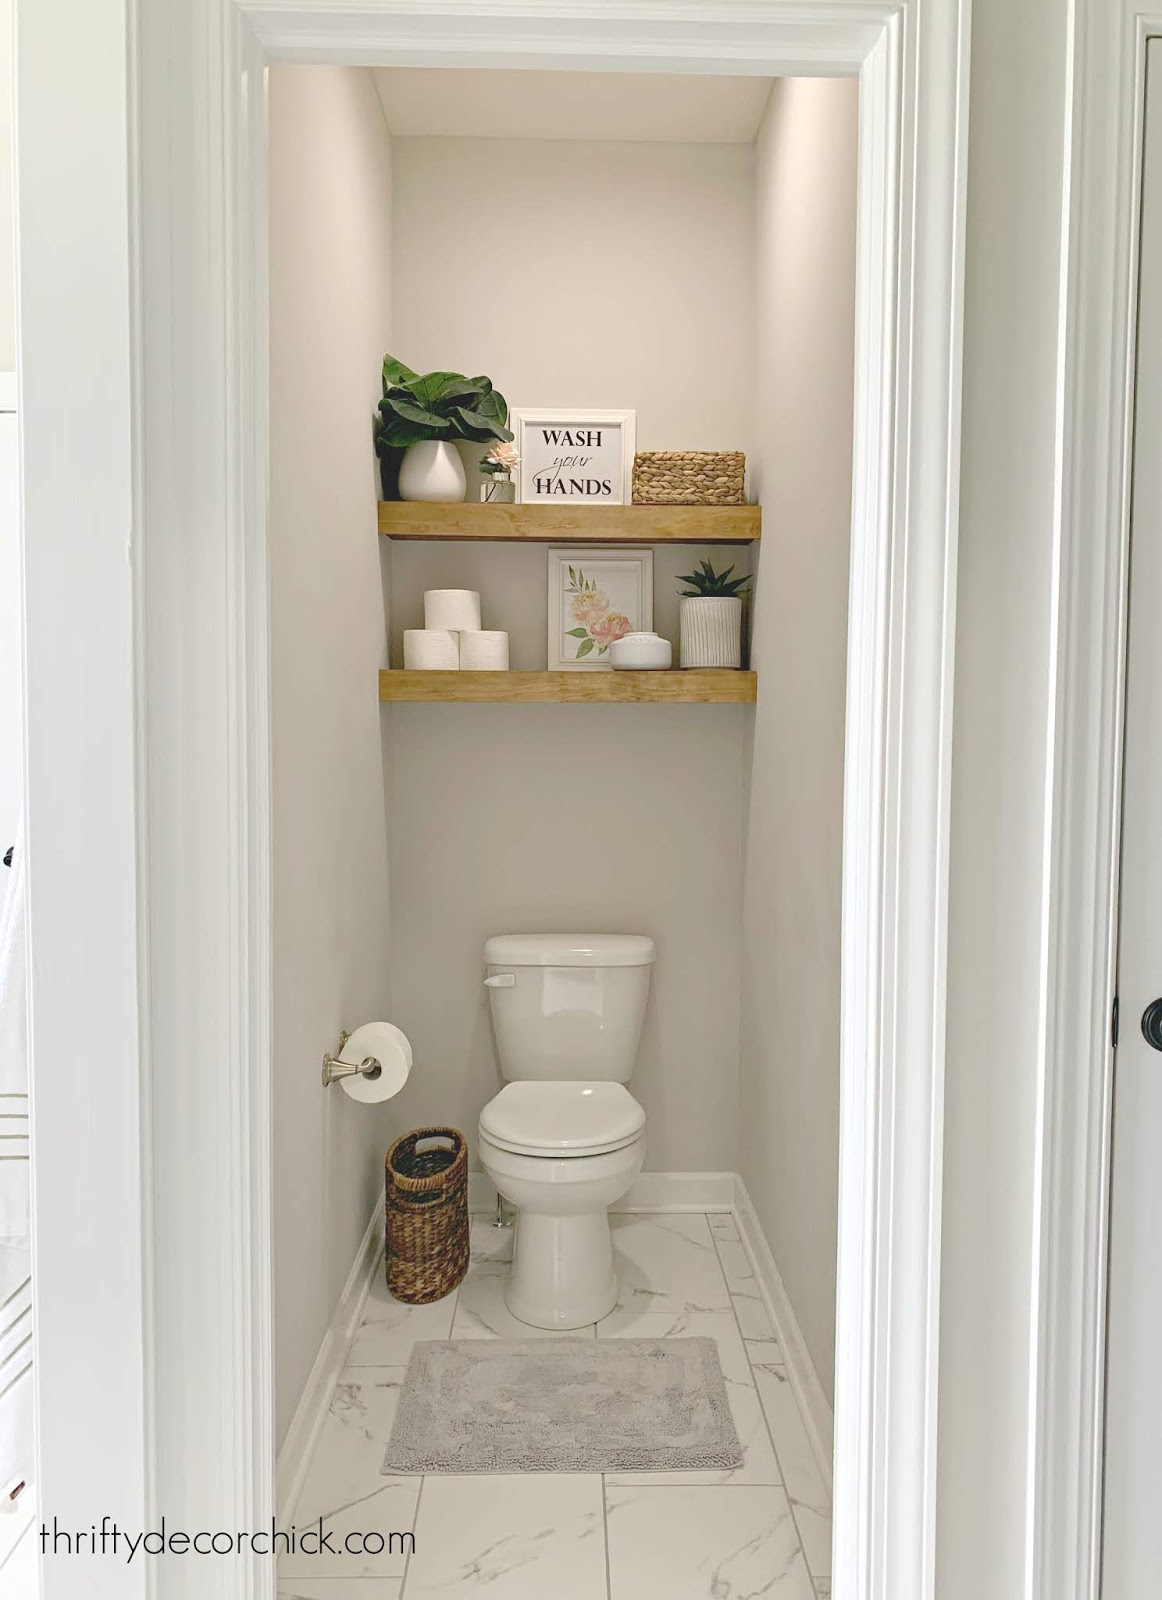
x: 710, y: 618
x: 424, y: 416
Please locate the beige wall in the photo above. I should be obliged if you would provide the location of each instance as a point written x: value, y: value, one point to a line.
x: 615, y: 818
x: 589, y: 274
x: 789, y: 1123
x: 330, y: 251
x: 635, y: 290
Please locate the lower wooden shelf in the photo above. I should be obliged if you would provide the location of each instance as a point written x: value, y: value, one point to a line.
x: 692, y: 687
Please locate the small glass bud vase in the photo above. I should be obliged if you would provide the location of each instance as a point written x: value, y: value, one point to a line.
x: 498, y: 489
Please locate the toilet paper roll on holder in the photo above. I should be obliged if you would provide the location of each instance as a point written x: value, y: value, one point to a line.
x: 335, y: 1068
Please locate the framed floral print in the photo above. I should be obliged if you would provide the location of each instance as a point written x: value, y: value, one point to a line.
x: 596, y: 595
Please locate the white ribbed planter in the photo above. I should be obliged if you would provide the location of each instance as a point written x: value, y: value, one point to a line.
x: 711, y: 631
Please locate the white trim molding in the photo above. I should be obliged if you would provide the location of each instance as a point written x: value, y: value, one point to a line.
x: 88, y: 1088
x: 198, y: 646
x: 810, y: 1395
x: 1095, y: 440
x: 311, y: 1411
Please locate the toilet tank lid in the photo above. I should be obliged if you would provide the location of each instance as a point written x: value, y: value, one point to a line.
x: 569, y: 950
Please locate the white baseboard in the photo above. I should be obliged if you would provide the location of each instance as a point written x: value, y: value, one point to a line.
x: 307, y: 1423
x: 804, y: 1380
x: 680, y: 1191
x: 650, y: 1191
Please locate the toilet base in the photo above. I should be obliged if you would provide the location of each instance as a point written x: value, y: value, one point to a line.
x: 562, y: 1270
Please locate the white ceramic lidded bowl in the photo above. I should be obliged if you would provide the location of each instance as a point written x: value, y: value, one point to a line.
x: 641, y: 652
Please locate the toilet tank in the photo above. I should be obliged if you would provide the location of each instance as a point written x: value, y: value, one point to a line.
x: 568, y: 1005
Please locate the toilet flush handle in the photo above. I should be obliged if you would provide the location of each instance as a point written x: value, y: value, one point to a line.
x: 500, y: 980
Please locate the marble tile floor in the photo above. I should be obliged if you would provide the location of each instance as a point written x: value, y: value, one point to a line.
x: 762, y: 1529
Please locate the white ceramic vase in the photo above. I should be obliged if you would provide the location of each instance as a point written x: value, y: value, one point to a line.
x: 432, y: 470
x: 711, y: 631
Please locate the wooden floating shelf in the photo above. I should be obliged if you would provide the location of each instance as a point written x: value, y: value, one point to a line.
x: 693, y: 687
x: 410, y: 519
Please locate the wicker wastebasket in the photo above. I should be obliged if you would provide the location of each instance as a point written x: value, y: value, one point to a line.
x: 426, y: 1187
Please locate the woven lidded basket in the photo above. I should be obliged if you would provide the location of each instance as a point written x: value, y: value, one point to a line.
x: 426, y: 1184
x: 689, y: 478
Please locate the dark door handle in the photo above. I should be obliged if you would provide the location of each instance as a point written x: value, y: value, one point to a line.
x: 1152, y: 1024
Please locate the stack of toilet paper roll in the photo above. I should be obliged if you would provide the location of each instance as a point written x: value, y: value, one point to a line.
x: 452, y: 637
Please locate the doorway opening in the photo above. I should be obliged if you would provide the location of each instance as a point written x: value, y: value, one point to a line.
x: 682, y: 250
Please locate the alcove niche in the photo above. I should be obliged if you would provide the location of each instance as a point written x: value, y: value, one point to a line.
x: 682, y: 247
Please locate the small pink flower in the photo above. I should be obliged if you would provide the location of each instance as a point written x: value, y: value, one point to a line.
x: 610, y: 627
x: 503, y: 456
x: 588, y: 607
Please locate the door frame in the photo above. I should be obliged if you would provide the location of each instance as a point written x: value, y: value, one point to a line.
x: 1095, y: 442
x: 199, y: 706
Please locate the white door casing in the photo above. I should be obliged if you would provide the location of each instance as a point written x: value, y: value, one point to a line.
x: 1131, y: 1528
x: 88, y: 1100
x: 1096, y: 375
x: 197, y: 637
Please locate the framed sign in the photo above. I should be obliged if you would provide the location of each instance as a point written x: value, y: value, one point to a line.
x: 574, y: 456
x: 596, y: 595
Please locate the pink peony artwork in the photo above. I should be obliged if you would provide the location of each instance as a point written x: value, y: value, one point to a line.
x: 598, y: 624
x: 596, y: 596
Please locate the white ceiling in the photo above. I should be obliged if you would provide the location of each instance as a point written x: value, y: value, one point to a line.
x: 489, y: 104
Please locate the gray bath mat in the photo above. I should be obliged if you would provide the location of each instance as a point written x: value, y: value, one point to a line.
x: 563, y: 1405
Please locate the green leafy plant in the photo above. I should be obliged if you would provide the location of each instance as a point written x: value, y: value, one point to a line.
x: 711, y: 585
x: 436, y: 405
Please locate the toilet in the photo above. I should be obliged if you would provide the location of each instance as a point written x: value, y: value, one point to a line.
x: 564, y: 1138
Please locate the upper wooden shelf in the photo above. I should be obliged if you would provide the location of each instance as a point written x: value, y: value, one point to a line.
x: 413, y: 519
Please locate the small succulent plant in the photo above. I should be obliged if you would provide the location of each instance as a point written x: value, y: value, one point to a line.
x: 711, y: 585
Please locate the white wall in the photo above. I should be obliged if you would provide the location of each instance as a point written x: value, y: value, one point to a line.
x: 330, y: 250
x: 593, y: 274
x: 7, y: 290
x: 1005, y: 586
x: 10, y: 666
x: 11, y: 669
x: 789, y: 1123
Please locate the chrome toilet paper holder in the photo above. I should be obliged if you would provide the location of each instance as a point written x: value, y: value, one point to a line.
x: 335, y: 1068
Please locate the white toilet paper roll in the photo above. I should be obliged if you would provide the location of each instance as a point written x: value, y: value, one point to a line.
x: 390, y: 1047
x: 483, y: 650
x: 431, y: 649
x: 456, y: 609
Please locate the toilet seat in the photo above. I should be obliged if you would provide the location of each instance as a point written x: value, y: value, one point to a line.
x: 562, y: 1119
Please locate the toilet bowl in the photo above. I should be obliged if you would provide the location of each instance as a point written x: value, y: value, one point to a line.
x: 562, y: 1178
x: 564, y: 1139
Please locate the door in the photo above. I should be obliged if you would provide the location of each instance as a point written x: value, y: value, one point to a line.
x: 1132, y: 1532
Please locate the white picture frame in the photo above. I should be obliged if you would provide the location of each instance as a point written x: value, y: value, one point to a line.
x: 621, y: 580
x: 582, y: 469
